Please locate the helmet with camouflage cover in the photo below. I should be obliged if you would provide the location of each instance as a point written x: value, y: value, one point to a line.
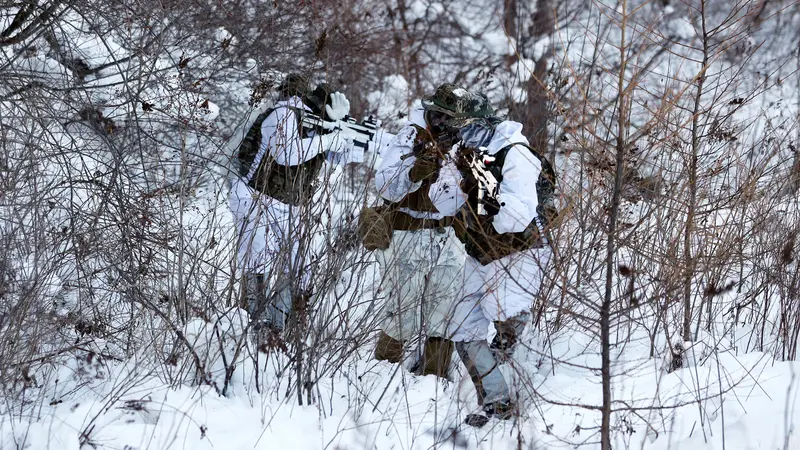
x: 293, y: 85
x: 457, y: 102
x: 452, y: 106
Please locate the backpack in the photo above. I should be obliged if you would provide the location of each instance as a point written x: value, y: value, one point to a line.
x: 248, y: 148
x: 287, y: 184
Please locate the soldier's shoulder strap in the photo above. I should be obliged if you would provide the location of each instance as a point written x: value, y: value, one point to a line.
x: 250, y: 145
x: 248, y: 148
x: 547, y: 167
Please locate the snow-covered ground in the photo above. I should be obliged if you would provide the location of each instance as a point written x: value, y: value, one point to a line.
x: 133, y: 160
x: 376, y: 405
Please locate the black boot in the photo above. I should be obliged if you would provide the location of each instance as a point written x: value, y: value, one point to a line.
x: 503, y: 409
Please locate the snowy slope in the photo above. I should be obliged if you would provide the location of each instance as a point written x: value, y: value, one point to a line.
x: 141, y: 177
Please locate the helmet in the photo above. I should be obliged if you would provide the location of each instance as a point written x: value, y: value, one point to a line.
x: 318, y: 98
x: 293, y: 85
x: 458, y: 102
x: 452, y: 106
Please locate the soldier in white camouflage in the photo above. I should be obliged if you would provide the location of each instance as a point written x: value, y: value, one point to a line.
x: 279, y: 165
x: 423, y: 260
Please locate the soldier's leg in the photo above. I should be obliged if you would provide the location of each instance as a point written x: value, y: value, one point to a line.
x: 279, y: 306
x: 255, y: 298
x: 468, y: 328
x: 442, y: 291
x: 512, y: 286
x: 401, y: 285
x: 484, y: 370
x: 401, y: 314
x: 478, y: 358
x: 249, y: 212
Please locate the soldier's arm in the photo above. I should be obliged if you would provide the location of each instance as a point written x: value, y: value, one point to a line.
x: 281, y: 137
x: 517, y: 193
x: 392, y: 178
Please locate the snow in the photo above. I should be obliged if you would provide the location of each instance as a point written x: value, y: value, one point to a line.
x: 731, y: 390
x: 523, y: 69
x: 460, y: 92
x: 540, y: 47
x: 390, y: 103
x: 374, y: 405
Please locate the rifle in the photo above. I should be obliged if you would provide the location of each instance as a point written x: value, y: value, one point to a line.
x: 361, y: 133
x: 433, y: 148
x: 476, y: 161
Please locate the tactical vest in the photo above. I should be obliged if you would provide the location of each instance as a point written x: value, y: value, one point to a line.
x: 545, y: 185
x: 288, y: 184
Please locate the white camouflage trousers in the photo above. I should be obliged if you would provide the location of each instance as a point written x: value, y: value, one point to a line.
x: 268, y: 246
x: 497, y: 291
x: 421, y: 281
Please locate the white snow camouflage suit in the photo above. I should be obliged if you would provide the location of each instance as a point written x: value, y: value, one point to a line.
x: 421, y: 268
x: 503, y: 289
x: 268, y: 228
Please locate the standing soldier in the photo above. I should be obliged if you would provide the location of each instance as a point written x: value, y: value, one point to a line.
x: 423, y: 263
x: 279, y: 163
x: 501, y: 227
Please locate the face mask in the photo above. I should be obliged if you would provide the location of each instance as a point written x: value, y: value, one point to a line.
x: 436, y: 121
x: 476, y: 135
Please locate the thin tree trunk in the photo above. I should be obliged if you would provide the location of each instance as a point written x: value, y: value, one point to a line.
x: 690, y: 214
x: 605, y: 310
x: 536, y: 111
x: 510, y: 17
x: 533, y: 113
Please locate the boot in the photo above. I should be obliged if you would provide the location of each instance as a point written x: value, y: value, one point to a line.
x: 436, y: 357
x: 388, y: 349
x: 503, y: 409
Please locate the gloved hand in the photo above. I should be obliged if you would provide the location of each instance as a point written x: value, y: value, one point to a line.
x: 492, y: 206
x: 335, y: 142
x: 338, y: 108
x: 424, y: 167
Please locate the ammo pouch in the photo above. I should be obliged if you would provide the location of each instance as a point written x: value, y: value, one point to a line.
x: 377, y: 224
x: 292, y: 185
x: 487, y: 245
x: 375, y: 227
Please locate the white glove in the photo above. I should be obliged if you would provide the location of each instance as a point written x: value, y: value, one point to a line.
x: 339, y: 107
x: 335, y: 142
